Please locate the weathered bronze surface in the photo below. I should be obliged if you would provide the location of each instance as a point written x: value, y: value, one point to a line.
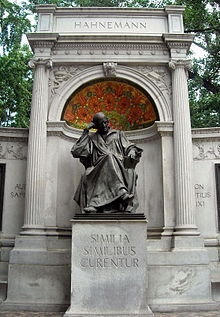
x: 109, y: 182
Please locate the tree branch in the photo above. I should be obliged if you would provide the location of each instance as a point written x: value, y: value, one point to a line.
x: 210, y: 30
x: 206, y: 83
x: 200, y: 45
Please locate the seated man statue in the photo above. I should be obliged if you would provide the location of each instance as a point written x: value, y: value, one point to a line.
x: 109, y: 182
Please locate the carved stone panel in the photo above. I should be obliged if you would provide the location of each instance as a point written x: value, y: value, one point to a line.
x: 13, y: 151
x: 203, y: 150
x: 59, y: 75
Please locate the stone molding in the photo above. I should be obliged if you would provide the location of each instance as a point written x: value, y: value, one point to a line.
x: 110, y: 46
x: 42, y: 44
x: 165, y: 128
x: 206, y: 133
x: 57, y: 101
x: 64, y: 131
x: 178, y: 41
x: 96, y: 51
x: 13, y: 134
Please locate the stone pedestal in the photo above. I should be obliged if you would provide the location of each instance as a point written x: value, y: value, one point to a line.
x: 109, y: 269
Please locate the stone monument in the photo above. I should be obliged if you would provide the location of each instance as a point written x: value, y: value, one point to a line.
x: 143, y: 50
x: 109, y: 268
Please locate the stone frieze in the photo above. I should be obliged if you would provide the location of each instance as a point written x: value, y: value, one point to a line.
x: 13, y: 151
x: 206, y: 151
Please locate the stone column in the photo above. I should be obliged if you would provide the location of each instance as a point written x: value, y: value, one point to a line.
x: 185, y: 218
x: 35, y: 181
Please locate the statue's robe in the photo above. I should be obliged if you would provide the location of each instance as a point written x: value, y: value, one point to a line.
x: 109, y: 169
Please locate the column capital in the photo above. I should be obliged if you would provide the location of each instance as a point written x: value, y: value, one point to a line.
x: 180, y: 63
x: 34, y: 62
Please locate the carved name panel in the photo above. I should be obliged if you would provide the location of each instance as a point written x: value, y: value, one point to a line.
x: 103, y: 25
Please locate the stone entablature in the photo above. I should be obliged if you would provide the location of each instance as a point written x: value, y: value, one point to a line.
x: 108, y: 21
x: 110, y: 34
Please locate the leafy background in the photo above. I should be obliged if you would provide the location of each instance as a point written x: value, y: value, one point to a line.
x: 201, y: 18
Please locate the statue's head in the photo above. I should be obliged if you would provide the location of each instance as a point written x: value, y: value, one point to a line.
x: 101, y: 122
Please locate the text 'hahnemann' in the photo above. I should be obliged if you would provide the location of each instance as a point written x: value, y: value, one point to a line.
x: 109, y: 251
x: 110, y: 25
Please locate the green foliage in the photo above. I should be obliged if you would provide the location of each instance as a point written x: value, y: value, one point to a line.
x: 15, y: 76
x: 14, y: 23
x: 15, y: 88
x: 202, y: 17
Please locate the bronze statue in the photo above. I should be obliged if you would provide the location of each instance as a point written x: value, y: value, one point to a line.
x: 109, y: 182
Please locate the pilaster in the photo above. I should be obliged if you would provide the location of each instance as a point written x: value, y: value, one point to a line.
x: 165, y: 129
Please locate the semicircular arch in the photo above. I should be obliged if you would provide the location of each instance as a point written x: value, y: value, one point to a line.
x: 96, y: 72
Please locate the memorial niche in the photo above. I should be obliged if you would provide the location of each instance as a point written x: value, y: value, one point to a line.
x: 109, y: 182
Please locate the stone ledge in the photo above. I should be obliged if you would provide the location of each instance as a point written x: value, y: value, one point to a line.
x: 111, y: 216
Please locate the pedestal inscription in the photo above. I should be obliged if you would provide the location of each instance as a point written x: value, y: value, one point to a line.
x: 109, y: 270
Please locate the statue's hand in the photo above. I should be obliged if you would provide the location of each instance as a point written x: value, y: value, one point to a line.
x: 132, y: 155
x: 91, y: 125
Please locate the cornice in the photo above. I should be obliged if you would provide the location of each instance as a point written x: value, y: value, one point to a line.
x: 80, y: 11
x: 178, y: 41
x: 14, y: 134
x: 42, y: 40
x: 206, y: 133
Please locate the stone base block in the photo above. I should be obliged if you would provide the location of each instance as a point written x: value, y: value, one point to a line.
x: 109, y: 268
x: 179, y: 280
x: 32, y: 307
x: 188, y: 307
x: 39, y: 275
x: 147, y: 314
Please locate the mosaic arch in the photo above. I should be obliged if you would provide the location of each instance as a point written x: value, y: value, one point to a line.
x: 127, y: 106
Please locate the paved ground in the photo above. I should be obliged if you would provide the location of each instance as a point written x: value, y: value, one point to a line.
x: 182, y: 314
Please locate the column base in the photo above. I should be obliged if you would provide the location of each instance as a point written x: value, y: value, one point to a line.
x: 44, y: 231
x: 186, y: 230
x: 167, y: 232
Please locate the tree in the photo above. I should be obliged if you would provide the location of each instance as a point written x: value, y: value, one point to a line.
x: 15, y: 76
x: 201, y: 18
